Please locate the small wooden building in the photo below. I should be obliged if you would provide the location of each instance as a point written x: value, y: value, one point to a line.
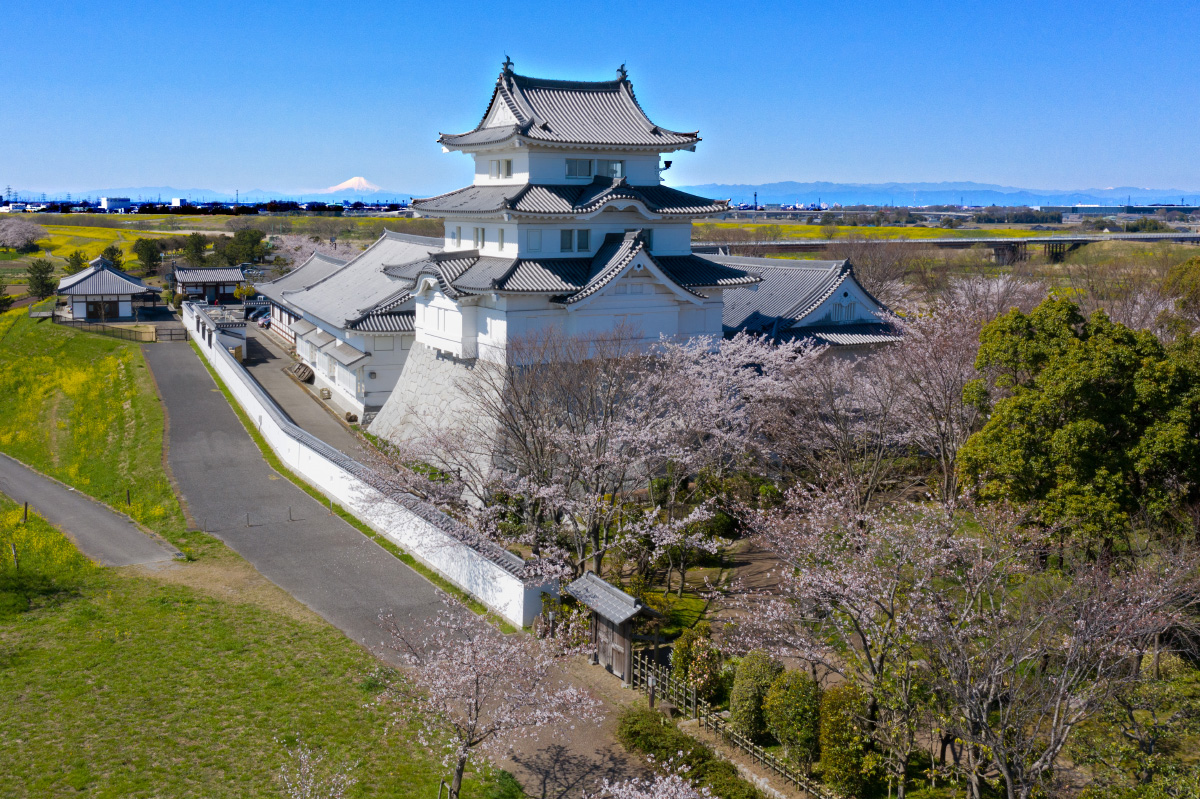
x: 613, y: 612
x: 103, y: 293
x: 214, y: 284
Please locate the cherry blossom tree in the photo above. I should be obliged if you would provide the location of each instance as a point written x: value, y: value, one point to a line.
x: 839, y: 420
x: 1019, y: 656
x: 20, y: 234
x: 477, y: 691
x: 848, y: 598
x: 933, y: 366
x: 307, y: 776
x: 669, y: 786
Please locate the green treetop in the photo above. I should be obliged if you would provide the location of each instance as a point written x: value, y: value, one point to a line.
x: 1092, y: 422
x: 76, y: 262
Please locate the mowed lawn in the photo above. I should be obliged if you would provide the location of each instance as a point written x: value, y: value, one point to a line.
x: 122, y: 684
x: 82, y: 408
x: 186, y: 681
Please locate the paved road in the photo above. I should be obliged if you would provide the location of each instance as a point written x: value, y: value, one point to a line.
x: 265, y: 361
x: 222, y: 477
x: 105, y: 536
x: 327, y: 564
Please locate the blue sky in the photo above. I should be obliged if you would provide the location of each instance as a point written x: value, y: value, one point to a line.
x: 302, y: 95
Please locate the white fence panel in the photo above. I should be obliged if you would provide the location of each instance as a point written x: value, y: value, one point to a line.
x: 484, y: 571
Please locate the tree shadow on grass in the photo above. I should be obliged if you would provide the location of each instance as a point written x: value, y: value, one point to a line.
x: 555, y: 771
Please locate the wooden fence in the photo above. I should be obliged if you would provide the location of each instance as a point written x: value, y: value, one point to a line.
x: 126, y: 333
x: 684, y: 697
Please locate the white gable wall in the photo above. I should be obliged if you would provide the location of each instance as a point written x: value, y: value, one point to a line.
x: 848, y: 305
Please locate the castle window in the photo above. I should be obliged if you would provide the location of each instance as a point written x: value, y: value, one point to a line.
x: 500, y: 238
x: 579, y: 167
x: 500, y: 169
x: 535, y: 240
x: 479, y: 237
x: 458, y: 236
x: 610, y: 169
x: 575, y: 240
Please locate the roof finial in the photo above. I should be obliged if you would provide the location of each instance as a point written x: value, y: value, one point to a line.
x: 507, y: 65
x: 622, y: 75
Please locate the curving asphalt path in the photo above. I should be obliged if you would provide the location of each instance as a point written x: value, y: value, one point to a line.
x: 231, y: 492
x: 105, y: 536
x: 324, y: 562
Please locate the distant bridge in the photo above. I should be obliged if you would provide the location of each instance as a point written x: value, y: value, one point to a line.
x: 1006, y: 250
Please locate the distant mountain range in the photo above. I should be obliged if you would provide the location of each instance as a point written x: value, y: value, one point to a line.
x: 356, y: 188
x: 953, y: 193
x: 787, y: 192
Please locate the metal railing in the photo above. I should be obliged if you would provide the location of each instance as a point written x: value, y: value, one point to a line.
x: 125, y: 333
x: 684, y: 698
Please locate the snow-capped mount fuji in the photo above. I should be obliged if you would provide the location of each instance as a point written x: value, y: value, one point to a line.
x: 356, y: 184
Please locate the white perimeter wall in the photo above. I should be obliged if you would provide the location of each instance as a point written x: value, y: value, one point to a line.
x: 465, y: 567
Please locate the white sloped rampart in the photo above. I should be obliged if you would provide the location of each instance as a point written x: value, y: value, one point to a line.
x: 483, y: 570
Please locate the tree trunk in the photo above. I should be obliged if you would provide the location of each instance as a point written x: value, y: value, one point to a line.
x: 459, y: 768
x: 682, y: 574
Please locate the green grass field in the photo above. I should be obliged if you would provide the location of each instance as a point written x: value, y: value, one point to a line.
x: 82, y: 408
x: 185, y: 681
x: 121, y: 684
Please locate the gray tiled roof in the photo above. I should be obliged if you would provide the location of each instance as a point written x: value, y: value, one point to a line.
x: 316, y: 268
x: 217, y: 274
x: 608, y: 601
x: 571, y: 279
x: 561, y: 112
x: 102, y: 278
x: 789, y: 291
x: 567, y: 200
x: 846, y: 335
x: 356, y: 289
x: 391, y: 322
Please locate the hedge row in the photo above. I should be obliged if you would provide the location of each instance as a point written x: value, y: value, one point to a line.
x: 647, y: 731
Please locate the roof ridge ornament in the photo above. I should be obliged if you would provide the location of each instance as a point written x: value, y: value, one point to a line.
x: 507, y: 66
x: 622, y: 74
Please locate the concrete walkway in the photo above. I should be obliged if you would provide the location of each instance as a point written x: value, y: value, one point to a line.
x: 107, y: 537
x: 324, y: 562
x: 265, y: 361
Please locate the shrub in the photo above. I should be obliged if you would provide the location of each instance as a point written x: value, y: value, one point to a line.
x: 843, y: 745
x: 793, y: 713
x: 704, y: 673
x: 681, y: 653
x: 647, y: 731
x: 754, y: 677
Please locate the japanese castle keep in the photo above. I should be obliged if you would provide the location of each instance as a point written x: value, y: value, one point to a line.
x: 567, y: 224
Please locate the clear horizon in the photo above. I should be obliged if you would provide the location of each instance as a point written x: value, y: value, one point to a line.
x: 273, y: 96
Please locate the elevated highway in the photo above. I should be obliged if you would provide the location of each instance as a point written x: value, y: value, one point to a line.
x: 1006, y: 250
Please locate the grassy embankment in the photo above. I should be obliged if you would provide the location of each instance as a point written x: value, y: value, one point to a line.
x: 124, y: 684
x: 168, y: 683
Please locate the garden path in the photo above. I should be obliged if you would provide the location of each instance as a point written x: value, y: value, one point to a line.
x: 328, y: 565
x: 104, y: 535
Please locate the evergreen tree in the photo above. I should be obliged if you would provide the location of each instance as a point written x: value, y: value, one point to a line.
x: 42, y: 282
